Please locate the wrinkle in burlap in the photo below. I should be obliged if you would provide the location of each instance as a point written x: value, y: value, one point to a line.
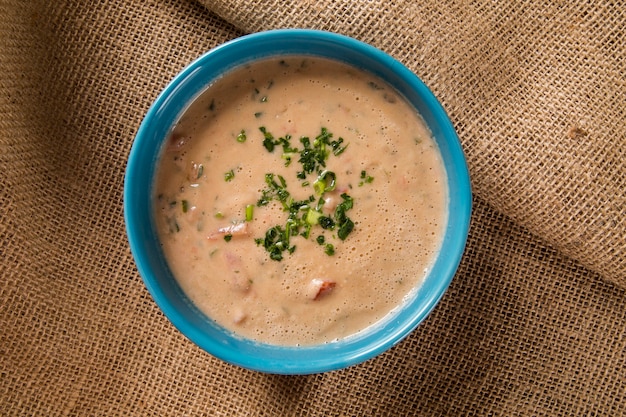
x: 534, y: 321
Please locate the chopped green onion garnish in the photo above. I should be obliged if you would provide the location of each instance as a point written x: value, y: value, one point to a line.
x: 287, y: 157
x: 268, y: 140
x: 326, y: 222
x: 229, y: 175
x: 185, y: 205
x: 241, y: 137
x: 365, y: 179
x: 227, y: 238
x: 306, y: 214
x: 313, y: 217
x: 326, y: 181
x: 345, y: 229
x: 249, y: 212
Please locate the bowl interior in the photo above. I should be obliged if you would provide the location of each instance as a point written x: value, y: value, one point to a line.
x: 146, y: 250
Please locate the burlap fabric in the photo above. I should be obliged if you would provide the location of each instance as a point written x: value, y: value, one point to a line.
x: 534, y: 322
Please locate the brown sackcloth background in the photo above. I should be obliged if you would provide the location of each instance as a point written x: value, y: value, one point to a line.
x: 534, y: 323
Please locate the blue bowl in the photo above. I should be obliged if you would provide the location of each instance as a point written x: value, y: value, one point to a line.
x: 144, y: 244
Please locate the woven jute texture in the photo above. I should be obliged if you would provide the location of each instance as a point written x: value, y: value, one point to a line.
x: 534, y: 323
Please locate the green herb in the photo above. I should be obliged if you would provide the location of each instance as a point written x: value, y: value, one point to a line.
x: 249, y: 212
x: 276, y: 241
x: 312, y: 217
x: 219, y: 215
x: 228, y: 237
x: 200, y: 168
x: 185, y: 205
x: 347, y: 204
x: 337, y: 148
x: 287, y: 156
x: 314, y: 155
x: 320, y: 203
x: 345, y: 228
x: 326, y: 181
x: 274, y: 190
x: 344, y: 224
x: 306, y: 214
x: 326, y: 222
x: 268, y: 139
x: 258, y: 114
x: 269, y: 142
x: 365, y: 179
x: 229, y: 176
x: 241, y: 137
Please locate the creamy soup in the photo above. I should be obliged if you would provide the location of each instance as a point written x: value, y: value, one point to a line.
x: 299, y: 201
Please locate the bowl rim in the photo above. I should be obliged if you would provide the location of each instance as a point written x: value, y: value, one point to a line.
x: 221, y: 343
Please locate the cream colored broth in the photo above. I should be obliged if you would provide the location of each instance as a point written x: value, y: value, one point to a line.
x: 309, y: 296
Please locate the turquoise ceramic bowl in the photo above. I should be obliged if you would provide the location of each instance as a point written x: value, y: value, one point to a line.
x: 147, y: 252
